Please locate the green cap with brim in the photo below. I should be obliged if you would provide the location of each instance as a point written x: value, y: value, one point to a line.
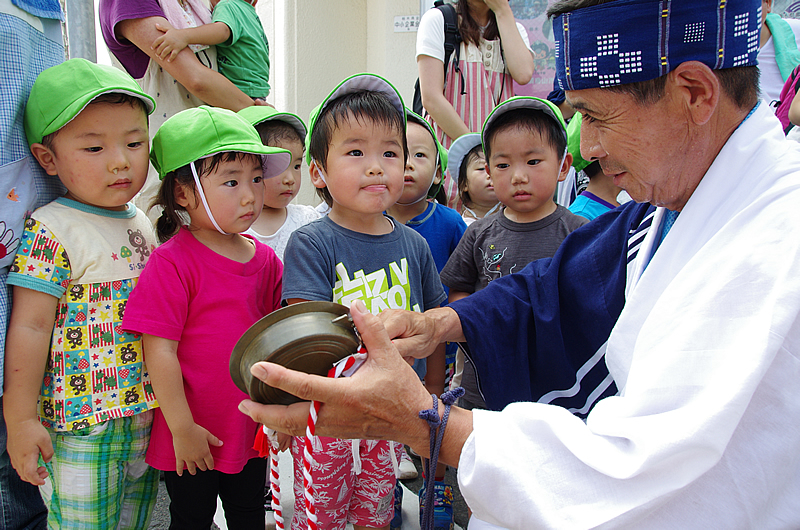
x: 61, y: 92
x: 257, y: 114
x: 574, y: 142
x: 416, y: 118
x: 523, y: 102
x: 355, y: 83
x: 203, y: 131
x: 459, y: 150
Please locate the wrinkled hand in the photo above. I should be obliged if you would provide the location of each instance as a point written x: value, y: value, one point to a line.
x: 284, y: 441
x: 170, y: 44
x: 412, y: 333
x: 26, y: 441
x: 381, y: 400
x: 192, y: 449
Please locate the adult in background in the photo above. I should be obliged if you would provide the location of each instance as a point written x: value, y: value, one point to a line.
x: 493, y: 53
x: 30, y: 41
x: 190, y: 79
x: 706, y: 350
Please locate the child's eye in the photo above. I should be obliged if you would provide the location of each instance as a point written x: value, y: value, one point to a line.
x: 390, y: 154
x: 355, y: 152
x: 297, y: 167
x: 134, y: 145
x: 95, y: 149
x: 534, y: 162
x: 502, y: 166
x: 231, y: 183
x: 258, y: 179
x: 419, y: 155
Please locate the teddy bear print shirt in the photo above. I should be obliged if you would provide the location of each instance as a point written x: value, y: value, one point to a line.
x: 90, y: 259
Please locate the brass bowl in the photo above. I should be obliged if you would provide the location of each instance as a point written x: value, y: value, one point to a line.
x: 308, y: 337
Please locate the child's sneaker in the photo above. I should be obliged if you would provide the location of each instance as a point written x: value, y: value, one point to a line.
x: 442, y: 505
x: 407, y: 468
x: 397, y: 521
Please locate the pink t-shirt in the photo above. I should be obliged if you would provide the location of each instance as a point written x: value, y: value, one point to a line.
x: 191, y: 294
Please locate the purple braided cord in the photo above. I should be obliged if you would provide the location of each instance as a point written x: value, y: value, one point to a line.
x: 437, y: 427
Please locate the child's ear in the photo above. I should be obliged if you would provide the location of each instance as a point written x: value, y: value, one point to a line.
x: 437, y: 177
x: 182, y: 195
x: 565, y: 167
x: 316, y: 175
x: 45, y: 157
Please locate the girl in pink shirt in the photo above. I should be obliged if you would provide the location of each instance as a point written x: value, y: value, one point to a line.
x: 207, y: 285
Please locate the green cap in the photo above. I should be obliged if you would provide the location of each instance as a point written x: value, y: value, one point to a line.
x: 61, y: 92
x: 257, y: 114
x: 574, y: 142
x: 523, y: 102
x: 458, y: 152
x: 355, y: 83
x: 416, y: 118
x: 203, y: 131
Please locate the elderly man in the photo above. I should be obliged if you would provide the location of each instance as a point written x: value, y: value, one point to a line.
x: 703, y: 341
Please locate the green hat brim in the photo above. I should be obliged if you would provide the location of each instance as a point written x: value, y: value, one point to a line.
x: 416, y: 118
x: 61, y: 92
x: 355, y: 83
x: 200, y: 132
x: 574, y: 142
x: 258, y: 114
x: 523, y: 102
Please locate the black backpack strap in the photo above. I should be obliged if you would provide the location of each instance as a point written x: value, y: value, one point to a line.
x: 452, y: 38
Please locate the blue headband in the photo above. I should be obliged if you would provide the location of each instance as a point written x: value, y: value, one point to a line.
x: 627, y: 41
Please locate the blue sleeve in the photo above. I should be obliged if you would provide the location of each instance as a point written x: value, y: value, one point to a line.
x: 308, y: 269
x: 536, y: 332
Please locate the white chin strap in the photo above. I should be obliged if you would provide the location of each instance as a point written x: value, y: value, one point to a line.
x: 205, y: 202
x: 424, y: 197
x: 321, y: 173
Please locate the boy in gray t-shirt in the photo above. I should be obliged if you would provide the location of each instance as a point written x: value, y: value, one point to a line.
x: 526, y: 157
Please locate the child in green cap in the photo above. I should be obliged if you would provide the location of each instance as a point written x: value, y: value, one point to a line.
x: 442, y: 228
x: 357, y: 148
x: 525, y: 143
x: 279, y: 217
x: 203, y: 288
x: 77, y: 390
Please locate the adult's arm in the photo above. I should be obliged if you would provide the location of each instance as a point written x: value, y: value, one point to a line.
x: 381, y: 401
x: 517, y: 55
x: 431, y: 88
x: 208, y: 85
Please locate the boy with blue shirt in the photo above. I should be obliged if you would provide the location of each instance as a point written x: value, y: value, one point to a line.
x: 357, y: 153
x: 78, y: 390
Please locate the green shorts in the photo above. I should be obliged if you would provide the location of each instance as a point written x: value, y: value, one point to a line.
x: 99, y: 477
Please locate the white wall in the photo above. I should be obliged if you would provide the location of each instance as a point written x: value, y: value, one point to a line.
x: 315, y: 44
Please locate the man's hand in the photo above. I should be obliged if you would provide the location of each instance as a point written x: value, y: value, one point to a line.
x: 381, y: 400
x: 26, y: 441
x: 416, y: 335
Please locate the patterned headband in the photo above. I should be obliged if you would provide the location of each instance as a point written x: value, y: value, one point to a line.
x: 627, y: 41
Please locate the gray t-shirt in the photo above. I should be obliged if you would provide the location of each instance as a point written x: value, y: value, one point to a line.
x: 495, y: 246
x: 324, y: 261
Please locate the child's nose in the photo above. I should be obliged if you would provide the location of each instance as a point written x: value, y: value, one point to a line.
x: 118, y: 161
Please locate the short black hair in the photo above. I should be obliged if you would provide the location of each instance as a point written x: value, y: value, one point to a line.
x: 740, y: 83
x: 364, y: 105
x: 529, y: 120
x: 112, y: 98
x: 274, y: 131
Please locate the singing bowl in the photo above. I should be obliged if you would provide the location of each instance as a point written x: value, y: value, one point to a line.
x: 308, y: 337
